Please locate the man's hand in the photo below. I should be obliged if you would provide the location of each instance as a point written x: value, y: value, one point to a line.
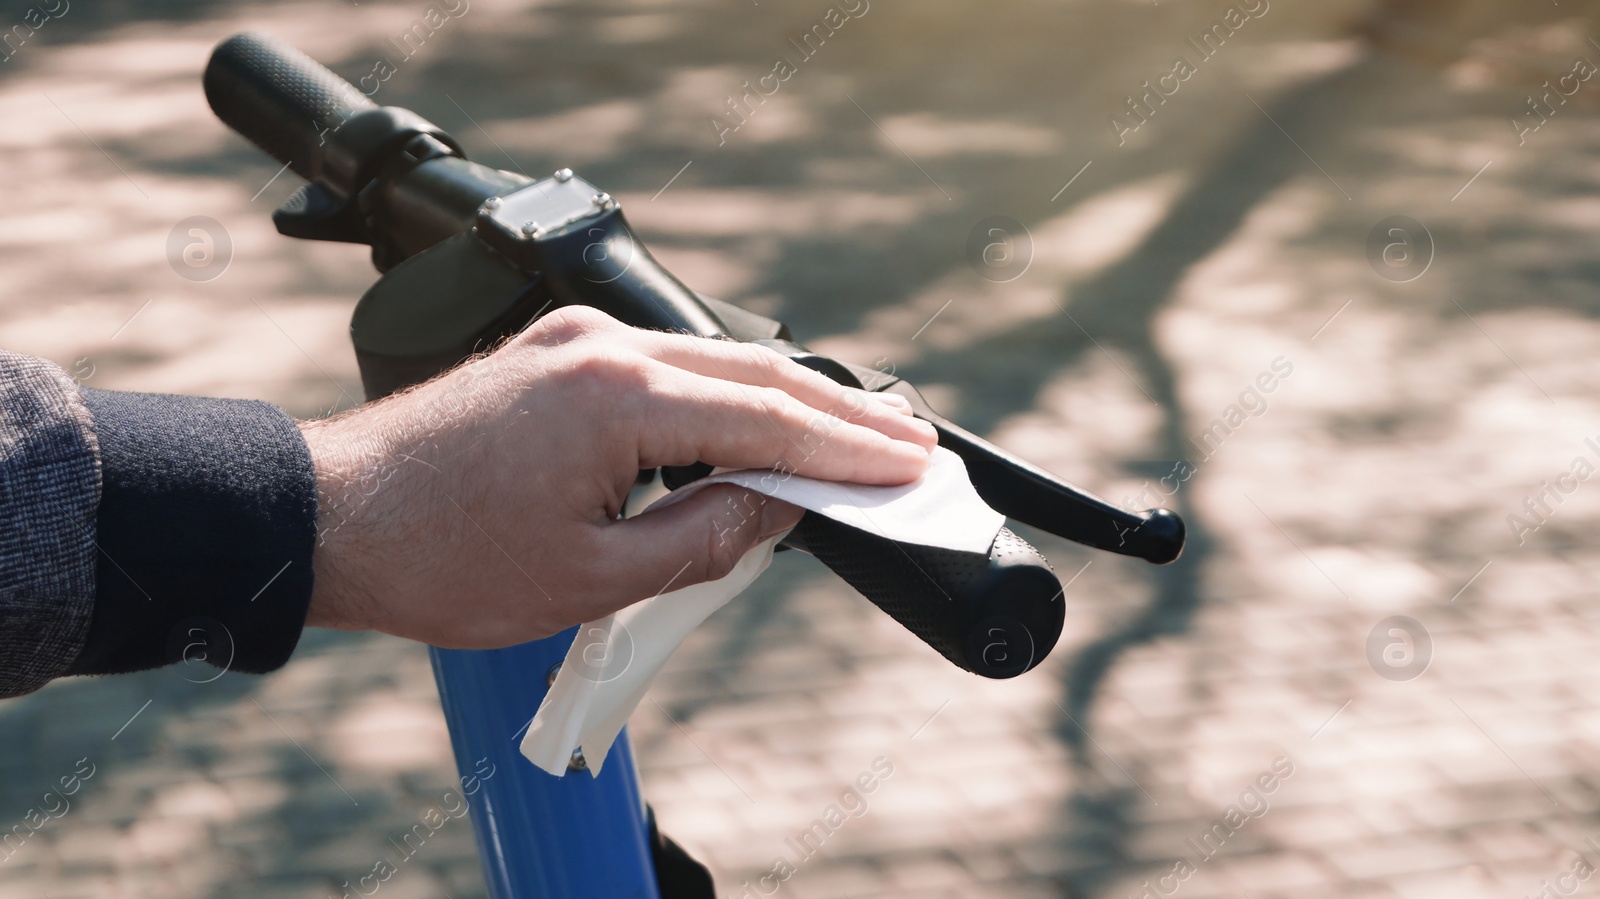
x: 480, y: 509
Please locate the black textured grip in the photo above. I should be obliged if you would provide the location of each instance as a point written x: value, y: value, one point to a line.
x: 996, y: 614
x: 282, y: 100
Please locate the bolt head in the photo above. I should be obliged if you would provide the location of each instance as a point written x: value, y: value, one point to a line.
x: 601, y: 200
x: 563, y: 175
x: 493, y: 203
x: 529, y: 229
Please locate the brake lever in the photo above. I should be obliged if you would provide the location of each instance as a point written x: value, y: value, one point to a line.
x: 1026, y: 493
x: 1010, y: 485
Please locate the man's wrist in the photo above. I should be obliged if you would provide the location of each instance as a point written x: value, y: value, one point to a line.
x: 340, y: 502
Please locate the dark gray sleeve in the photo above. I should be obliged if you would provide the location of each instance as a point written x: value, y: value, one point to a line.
x: 138, y: 530
x: 205, y: 530
x: 49, y: 491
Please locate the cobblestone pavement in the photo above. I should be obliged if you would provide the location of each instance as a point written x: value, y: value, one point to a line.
x: 1230, y: 232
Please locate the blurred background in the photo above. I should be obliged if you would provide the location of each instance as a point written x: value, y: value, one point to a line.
x: 1441, y: 368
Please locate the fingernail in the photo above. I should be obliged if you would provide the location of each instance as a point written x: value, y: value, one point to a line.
x: 893, y: 399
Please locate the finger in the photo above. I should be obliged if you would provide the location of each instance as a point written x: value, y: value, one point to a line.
x: 691, y: 541
x: 691, y: 418
x: 750, y: 363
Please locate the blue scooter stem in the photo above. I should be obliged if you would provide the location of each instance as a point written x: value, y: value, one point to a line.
x: 540, y: 837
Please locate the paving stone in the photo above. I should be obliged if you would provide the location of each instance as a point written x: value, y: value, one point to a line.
x: 83, y: 846
x: 1404, y: 855
x: 1275, y: 872
x: 839, y: 879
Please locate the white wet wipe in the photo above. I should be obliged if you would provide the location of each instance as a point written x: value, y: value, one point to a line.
x: 614, y: 660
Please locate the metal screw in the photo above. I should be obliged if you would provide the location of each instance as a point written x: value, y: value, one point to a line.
x: 530, y: 228
x: 601, y: 200
x: 563, y: 175
x: 550, y: 677
x: 493, y: 203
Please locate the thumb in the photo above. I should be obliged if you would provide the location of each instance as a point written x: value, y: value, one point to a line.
x: 699, y: 538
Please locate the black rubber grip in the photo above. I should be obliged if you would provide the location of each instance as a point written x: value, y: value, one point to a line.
x: 282, y: 100
x: 996, y: 614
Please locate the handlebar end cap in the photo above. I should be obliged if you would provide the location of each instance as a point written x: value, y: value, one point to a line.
x: 1164, y: 533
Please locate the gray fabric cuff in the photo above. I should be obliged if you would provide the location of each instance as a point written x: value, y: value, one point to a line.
x: 49, y: 492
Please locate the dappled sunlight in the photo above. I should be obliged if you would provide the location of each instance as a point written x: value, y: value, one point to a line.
x: 1085, y: 417
x: 387, y: 735
x: 924, y: 135
x: 577, y: 136
x: 1222, y: 246
x: 1105, y: 227
x: 1294, y: 60
x: 689, y: 213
